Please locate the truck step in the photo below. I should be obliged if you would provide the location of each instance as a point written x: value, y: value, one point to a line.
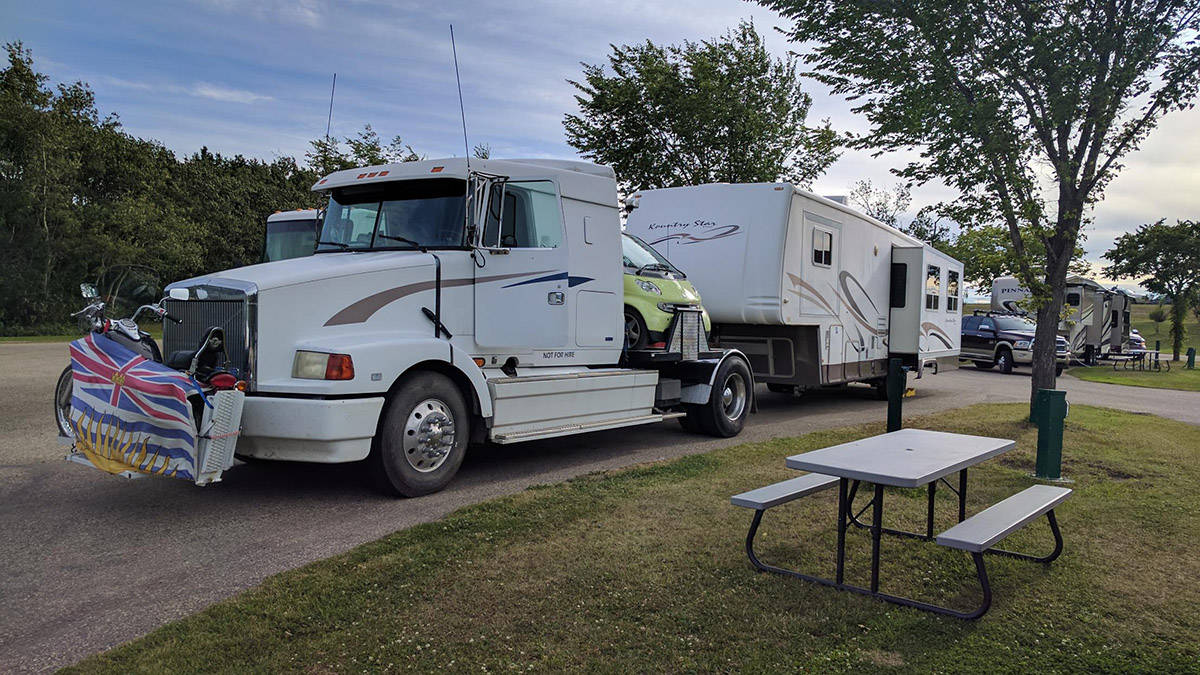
x: 565, y: 429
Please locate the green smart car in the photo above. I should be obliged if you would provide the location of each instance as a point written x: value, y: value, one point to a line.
x: 653, y: 289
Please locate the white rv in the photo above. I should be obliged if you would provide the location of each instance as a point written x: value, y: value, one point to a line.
x: 1095, y: 320
x: 445, y: 305
x: 812, y: 291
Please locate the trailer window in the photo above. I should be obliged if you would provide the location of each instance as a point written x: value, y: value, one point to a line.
x: 933, y: 286
x: 530, y: 217
x: 951, y: 291
x: 1073, y: 299
x: 899, y: 285
x: 822, y: 248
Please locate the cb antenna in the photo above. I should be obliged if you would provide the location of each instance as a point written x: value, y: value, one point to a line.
x: 329, y: 120
x: 462, y: 111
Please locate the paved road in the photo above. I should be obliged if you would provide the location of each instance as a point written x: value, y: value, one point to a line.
x: 91, y: 561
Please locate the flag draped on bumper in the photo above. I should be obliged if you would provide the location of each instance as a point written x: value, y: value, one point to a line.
x: 131, y: 414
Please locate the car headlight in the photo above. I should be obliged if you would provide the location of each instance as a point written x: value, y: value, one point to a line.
x: 1023, y: 344
x: 649, y: 287
x: 321, y: 366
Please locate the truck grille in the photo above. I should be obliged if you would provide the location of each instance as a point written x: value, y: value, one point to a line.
x: 200, y: 315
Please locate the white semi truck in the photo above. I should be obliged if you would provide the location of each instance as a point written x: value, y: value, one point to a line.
x: 812, y: 291
x: 447, y: 304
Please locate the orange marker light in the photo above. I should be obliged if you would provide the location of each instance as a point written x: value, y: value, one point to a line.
x: 339, y: 367
x: 362, y: 175
x: 479, y: 362
x: 382, y: 174
x: 436, y: 169
x: 372, y: 174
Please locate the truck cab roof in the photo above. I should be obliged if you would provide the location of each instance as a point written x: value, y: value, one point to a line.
x: 584, y: 181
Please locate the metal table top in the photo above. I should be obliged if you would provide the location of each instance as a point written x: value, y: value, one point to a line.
x: 905, y: 458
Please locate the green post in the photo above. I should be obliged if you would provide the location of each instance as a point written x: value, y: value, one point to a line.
x: 1050, y: 409
x: 1191, y: 356
x: 1158, y: 345
x: 895, y: 393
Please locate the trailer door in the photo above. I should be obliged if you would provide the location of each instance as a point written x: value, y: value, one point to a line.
x: 521, y: 287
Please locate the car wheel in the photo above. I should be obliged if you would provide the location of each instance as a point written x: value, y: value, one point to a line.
x: 1004, y: 361
x: 637, y: 336
x: 422, y: 437
x: 729, y: 402
x: 62, y: 403
x: 984, y: 365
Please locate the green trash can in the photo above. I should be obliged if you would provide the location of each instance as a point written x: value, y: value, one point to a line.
x: 1049, y: 412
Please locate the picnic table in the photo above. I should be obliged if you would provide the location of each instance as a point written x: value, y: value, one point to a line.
x: 1142, y: 359
x: 909, y: 458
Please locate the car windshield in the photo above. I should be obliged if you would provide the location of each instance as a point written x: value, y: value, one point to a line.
x: 290, y: 239
x: 410, y: 214
x: 1013, y: 323
x: 638, y: 256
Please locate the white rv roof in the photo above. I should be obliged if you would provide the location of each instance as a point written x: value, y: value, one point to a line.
x: 298, y: 214
x: 577, y: 180
x: 799, y: 190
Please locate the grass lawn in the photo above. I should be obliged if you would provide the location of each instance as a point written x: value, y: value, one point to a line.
x: 155, y: 330
x: 1178, y: 378
x: 1139, y: 318
x: 643, y: 570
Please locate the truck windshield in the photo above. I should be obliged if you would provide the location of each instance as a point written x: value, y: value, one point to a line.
x: 1013, y: 323
x: 639, y: 257
x: 425, y: 213
x: 290, y: 239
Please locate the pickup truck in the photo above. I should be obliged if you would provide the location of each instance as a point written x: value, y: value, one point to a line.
x: 1004, y: 340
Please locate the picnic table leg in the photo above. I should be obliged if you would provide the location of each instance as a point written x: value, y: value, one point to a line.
x: 962, y: 495
x: 929, y: 511
x: 876, y: 530
x: 843, y: 507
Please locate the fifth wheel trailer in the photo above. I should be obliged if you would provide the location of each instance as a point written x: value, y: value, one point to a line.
x: 1095, y: 320
x: 449, y: 303
x: 812, y: 291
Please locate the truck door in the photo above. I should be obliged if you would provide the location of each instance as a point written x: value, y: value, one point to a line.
x: 521, y: 282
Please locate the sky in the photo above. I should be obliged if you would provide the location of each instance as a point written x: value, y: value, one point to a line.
x: 253, y: 77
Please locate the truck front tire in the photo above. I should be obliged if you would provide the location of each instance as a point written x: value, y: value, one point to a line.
x: 1004, y: 361
x: 422, y: 437
x: 729, y: 402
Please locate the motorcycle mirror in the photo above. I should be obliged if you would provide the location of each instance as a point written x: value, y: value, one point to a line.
x: 88, y: 291
x: 178, y: 294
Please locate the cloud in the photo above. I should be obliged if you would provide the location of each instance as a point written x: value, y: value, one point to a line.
x: 218, y: 93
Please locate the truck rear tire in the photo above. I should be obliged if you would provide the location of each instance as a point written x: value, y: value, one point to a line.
x: 729, y: 402
x: 422, y: 438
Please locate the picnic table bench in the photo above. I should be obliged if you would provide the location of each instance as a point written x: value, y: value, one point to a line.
x: 908, y: 458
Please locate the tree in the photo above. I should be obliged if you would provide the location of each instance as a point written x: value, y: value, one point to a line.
x: 717, y: 110
x: 1025, y: 108
x: 366, y: 148
x: 482, y: 151
x: 1168, y: 256
x: 1157, y: 315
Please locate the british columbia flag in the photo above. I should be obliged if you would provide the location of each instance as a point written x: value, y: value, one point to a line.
x: 130, y: 413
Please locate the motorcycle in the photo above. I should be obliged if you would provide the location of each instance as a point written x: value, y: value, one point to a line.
x: 203, y: 364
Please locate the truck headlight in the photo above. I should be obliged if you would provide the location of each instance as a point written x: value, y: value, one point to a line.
x: 1023, y: 344
x: 321, y: 366
x: 648, y: 287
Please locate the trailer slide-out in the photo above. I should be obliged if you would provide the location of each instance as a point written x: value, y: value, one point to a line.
x: 813, y: 292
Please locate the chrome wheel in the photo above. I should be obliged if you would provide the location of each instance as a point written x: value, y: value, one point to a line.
x: 428, y: 435
x: 62, y: 404
x: 733, y: 396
